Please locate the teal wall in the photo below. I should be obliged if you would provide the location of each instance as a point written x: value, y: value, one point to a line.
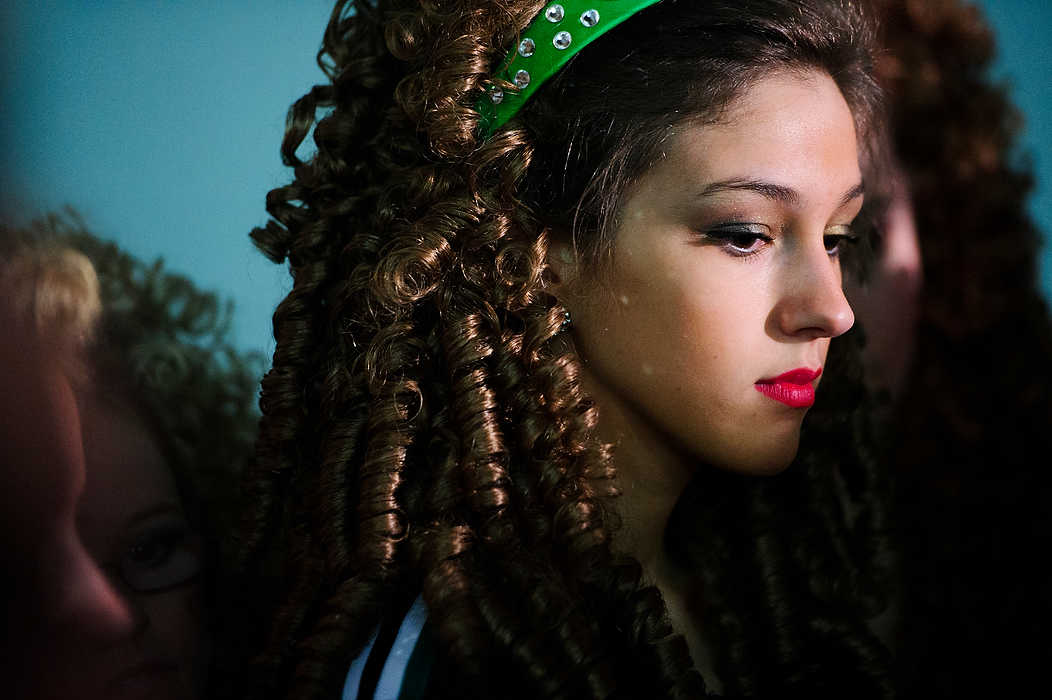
x: 161, y: 121
x: 1023, y: 29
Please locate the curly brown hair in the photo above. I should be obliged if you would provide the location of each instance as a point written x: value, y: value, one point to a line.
x: 977, y: 407
x: 425, y: 431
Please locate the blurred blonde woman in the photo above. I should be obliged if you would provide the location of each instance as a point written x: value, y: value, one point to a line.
x: 156, y: 375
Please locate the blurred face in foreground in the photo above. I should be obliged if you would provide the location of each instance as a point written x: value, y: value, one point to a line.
x: 889, y: 304
x: 132, y: 522
x: 708, y: 335
x: 52, y: 584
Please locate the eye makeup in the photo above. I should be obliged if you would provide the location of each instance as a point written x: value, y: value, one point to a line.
x: 837, y: 238
x: 738, y: 239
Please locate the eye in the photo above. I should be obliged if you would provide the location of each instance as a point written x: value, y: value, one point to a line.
x: 740, y: 240
x: 838, y: 239
x: 152, y: 551
x: 160, y: 558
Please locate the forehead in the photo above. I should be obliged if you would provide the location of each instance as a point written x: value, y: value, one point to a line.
x: 126, y: 472
x: 787, y: 127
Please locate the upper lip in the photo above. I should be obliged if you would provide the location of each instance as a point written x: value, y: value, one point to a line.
x: 801, y: 375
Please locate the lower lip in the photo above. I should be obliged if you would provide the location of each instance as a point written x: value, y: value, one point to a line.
x: 793, y: 395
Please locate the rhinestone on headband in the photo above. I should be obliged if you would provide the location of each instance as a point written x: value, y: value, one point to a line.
x: 543, y: 49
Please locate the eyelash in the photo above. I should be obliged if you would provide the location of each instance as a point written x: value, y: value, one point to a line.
x: 160, y: 543
x: 839, y: 239
x: 727, y: 237
x: 163, y: 557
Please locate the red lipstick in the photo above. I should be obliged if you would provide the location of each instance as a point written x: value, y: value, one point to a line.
x: 794, y: 388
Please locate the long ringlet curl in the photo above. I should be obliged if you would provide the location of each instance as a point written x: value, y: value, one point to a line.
x: 424, y: 428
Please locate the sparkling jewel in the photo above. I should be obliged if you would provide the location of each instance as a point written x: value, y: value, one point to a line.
x: 497, y: 95
x: 562, y: 40
x: 526, y: 48
x: 554, y: 13
x: 590, y: 18
x: 522, y: 79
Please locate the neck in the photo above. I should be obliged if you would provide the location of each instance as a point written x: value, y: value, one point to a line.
x: 651, y: 475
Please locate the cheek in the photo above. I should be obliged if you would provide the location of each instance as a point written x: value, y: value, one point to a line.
x: 177, y: 623
x: 680, y: 336
x: 707, y: 326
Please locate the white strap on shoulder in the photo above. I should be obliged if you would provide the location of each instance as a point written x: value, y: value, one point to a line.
x: 393, y: 673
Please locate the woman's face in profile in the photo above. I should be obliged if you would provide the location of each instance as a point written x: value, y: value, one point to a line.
x: 725, y: 287
x: 132, y: 522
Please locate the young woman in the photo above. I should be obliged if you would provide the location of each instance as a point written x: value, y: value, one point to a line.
x: 566, y: 280
x: 49, y: 305
x: 159, y: 411
x: 168, y: 422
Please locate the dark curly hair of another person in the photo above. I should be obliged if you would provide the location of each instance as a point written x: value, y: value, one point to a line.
x: 974, y: 424
x: 423, y: 426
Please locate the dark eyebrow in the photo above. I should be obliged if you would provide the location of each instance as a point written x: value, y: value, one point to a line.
x: 858, y: 190
x: 780, y: 193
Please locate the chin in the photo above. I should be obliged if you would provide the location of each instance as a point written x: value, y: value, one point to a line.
x: 761, y: 459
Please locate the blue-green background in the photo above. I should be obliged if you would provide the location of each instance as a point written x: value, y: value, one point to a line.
x: 160, y: 122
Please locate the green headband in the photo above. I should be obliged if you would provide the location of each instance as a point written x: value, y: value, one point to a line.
x: 561, y: 30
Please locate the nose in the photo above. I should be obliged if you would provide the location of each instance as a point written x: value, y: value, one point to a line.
x: 86, y: 603
x: 812, y: 303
